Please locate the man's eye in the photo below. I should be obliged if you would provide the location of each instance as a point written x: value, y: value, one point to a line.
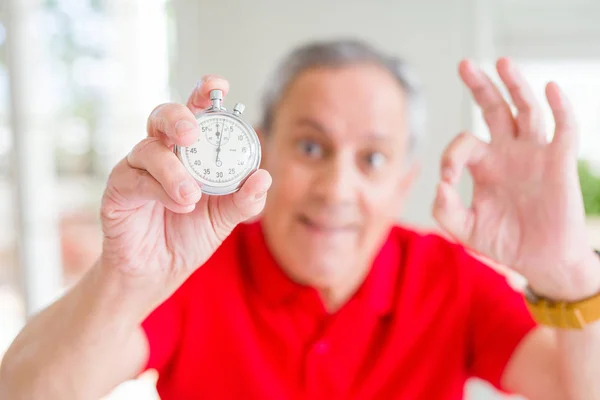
x: 310, y: 148
x: 376, y: 160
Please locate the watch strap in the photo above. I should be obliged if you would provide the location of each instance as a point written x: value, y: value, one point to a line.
x: 562, y: 314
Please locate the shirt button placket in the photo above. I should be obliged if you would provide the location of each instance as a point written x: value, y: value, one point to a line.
x: 321, y: 347
x: 316, y: 368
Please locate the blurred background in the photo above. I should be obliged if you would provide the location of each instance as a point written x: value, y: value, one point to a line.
x: 79, y: 77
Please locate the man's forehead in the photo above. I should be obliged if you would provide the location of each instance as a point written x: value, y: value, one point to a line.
x: 307, y: 121
x: 360, y: 79
x: 366, y: 97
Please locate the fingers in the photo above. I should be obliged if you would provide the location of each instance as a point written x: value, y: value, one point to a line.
x: 530, y: 123
x: 246, y: 202
x: 448, y: 210
x: 163, y: 165
x: 565, y: 134
x: 451, y: 214
x: 200, y: 97
x: 173, y: 124
x: 250, y: 199
x: 464, y: 150
x: 496, y: 111
x: 131, y: 188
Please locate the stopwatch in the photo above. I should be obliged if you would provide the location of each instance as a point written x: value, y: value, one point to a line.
x: 227, y: 151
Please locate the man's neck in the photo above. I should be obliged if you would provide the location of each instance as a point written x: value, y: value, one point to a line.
x: 336, y: 294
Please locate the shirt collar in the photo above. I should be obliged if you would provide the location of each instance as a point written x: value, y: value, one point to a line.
x: 377, y: 292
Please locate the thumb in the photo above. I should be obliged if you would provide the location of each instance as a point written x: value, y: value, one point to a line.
x: 451, y: 214
x: 246, y: 202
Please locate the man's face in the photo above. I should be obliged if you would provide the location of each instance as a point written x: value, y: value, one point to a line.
x: 337, y: 155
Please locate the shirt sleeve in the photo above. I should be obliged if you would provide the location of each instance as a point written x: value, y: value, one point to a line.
x: 498, y: 321
x: 163, y: 328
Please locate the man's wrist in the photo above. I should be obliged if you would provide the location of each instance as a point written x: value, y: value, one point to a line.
x: 129, y: 299
x: 581, y: 281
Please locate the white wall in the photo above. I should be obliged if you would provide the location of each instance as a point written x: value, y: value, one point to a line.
x: 242, y: 40
x: 547, y: 29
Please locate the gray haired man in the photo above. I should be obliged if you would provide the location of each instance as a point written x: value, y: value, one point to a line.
x: 325, y: 296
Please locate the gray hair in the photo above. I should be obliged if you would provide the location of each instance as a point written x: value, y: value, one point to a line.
x: 341, y: 53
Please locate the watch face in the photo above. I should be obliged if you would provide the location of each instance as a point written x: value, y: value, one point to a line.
x: 226, y: 152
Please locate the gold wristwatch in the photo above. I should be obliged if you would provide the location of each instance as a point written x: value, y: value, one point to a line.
x: 561, y: 314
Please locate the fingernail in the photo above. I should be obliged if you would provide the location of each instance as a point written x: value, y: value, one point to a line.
x: 515, y: 70
x: 189, y: 209
x: 188, y: 188
x: 184, y: 127
x: 260, y: 196
x: 472, y: 67
x: 447, y: 174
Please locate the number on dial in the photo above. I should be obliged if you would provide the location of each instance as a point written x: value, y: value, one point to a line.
x: 222, y: 153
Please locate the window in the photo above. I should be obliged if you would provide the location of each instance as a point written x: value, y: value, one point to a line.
x: 11, y: 307
x: 581, y: 82
x: 101, y: 66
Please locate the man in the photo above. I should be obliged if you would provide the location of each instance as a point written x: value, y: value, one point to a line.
x: 324, y: 297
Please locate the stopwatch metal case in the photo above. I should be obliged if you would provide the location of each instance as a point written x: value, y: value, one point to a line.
x: 218, y: 110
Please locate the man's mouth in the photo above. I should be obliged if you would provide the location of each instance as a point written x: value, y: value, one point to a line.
x: 326, y: 226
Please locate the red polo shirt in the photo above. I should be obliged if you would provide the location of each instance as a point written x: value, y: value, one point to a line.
x: 427, y: 317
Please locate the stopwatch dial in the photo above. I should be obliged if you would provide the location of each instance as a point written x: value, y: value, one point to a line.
x: 215, y: 131
x: 225, y: 158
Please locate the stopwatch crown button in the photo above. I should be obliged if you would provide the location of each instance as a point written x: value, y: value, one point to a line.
x: 239, y: 108
x: 216, y: 94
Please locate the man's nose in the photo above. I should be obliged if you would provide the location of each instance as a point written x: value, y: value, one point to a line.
x: 337, y: 181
